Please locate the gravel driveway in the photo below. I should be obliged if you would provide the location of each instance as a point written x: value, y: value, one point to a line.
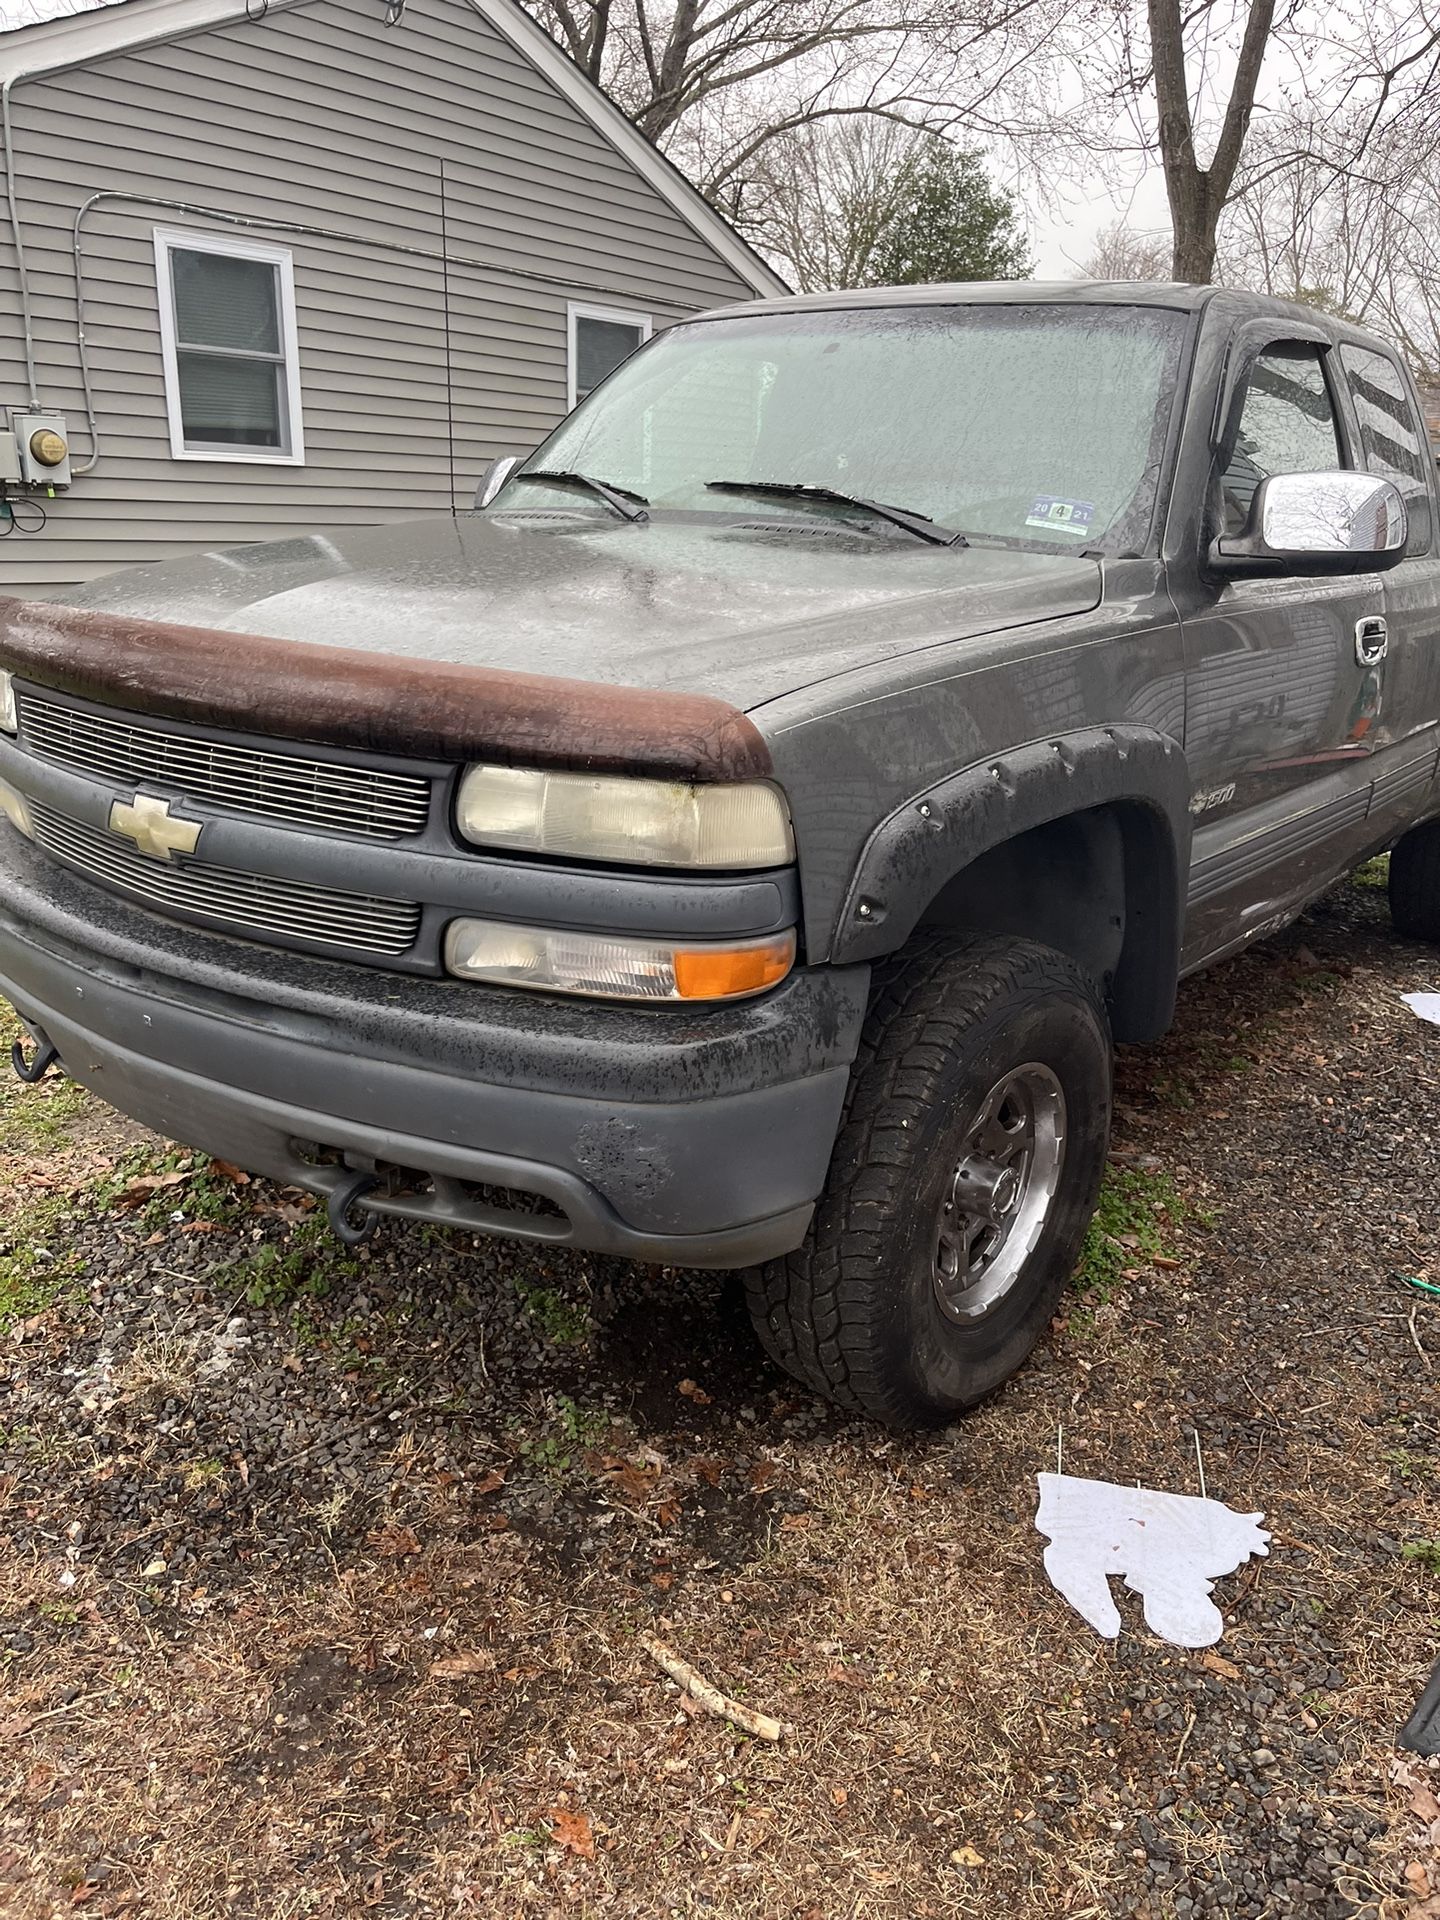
x: 322, y: 1579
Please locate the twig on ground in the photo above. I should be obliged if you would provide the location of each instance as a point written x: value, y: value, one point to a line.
x: 1415, y: 1338
x: 762, y: 1725
x: 1184, y: 1742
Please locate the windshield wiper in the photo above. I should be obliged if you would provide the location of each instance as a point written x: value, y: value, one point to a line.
x: 920, y: 524
x: 613, y: 496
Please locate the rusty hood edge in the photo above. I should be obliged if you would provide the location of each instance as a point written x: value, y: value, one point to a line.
x: 376, y: 702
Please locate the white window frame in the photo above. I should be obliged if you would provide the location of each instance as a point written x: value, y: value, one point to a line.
x: 169, y: 239
x: 576, y: 311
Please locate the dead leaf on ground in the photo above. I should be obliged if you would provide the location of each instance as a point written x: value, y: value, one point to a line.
x: 455, y: 1665
x: 636, y: 1483
x: 692, y: 1390
x: 137, y: 1191
x: 1217, y: 1663
x: 572, y: 1831
x: 223, y: 1170
x: 394, y: 1542
x: 967, y: 1857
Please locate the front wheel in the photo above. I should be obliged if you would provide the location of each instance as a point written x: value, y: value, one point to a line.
x: 963, y: 1179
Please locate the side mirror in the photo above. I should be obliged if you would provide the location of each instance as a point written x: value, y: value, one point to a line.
x: 494, y: 478
x: 1317, y: 523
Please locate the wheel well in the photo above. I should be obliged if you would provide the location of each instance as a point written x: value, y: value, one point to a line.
x: 1100, y: 886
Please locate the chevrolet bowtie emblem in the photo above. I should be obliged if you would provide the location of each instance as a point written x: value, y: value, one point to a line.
x: 152, y: 826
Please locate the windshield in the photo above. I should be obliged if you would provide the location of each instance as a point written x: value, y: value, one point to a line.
x: 1041, y: 424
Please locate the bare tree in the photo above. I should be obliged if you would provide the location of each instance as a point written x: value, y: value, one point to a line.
x: 1198, y: 194
x: 716, y: 82
x: 861, y: 202
x: 1123, y: 252
x: 1363, y: 241
x: 1224, y: 94
x: 823, y: 195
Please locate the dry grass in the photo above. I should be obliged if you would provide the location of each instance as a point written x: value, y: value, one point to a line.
x: 457, y: 1718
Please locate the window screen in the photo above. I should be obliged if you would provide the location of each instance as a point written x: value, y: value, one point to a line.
x: 1392, y: 439
x: 230, y: 356
x: 1287, y: 426
x: 600, y: 346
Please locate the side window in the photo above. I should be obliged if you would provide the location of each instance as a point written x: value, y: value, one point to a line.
x: 1287, y: 426
x: 1392, y: 438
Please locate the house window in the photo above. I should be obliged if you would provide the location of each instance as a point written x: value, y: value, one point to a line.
x: 227, y: 331
x: 600, y: 338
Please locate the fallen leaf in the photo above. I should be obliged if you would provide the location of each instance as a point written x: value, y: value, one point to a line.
x: 455, y: 1665
x: 794, y: 1522
x: 1417, y: 1879
x: 492, y: 1482
x: 1217, y: 1663
x: 692, y: 1390
x: 668, y: 1512
x: 139, y: 1190
x: 761, y: 1474
x: 1423, y: 1802
x: 394, y: 1542
x: 224, y: 1171
x: 967, y: 1857
x: 636, y: 1483
x: 572, y: 1831
x: 155, y: 1568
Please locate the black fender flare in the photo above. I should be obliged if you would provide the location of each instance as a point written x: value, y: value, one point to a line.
x: 937, y: 833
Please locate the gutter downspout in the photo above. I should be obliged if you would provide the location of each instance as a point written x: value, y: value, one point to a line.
x: 22, y: 271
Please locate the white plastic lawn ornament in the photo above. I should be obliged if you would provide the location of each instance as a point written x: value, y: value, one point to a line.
x: 1427, y: 1005
x: 1171, y: 1548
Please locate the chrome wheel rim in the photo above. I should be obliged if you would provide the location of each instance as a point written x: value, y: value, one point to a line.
x: 999, y: 1194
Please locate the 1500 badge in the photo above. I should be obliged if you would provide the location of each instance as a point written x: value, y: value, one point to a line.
x: 1216, y: 797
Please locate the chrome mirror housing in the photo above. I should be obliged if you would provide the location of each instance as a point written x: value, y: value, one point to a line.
x: 494, y: 478
x: 1317, y: 523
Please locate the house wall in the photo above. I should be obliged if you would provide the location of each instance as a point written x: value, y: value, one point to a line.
x: 320, y: 116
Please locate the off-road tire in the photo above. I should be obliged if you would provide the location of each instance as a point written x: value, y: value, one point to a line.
x: 1415, y: 883
x: 854, y: 1312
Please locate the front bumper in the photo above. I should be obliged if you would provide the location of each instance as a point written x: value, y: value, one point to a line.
x: 687, y: 1138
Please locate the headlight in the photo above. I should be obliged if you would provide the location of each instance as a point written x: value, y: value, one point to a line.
x: 16, y: 809
x: 610, y: 967
x: 654, y: 823
x: 9, y: 717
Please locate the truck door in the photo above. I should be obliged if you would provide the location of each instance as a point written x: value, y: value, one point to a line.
x: 1390, y: 439
x: 1282, y: 700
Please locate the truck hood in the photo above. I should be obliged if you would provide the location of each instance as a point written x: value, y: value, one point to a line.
x: 742, y: 611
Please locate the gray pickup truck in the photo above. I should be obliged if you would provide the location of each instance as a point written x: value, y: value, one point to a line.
x: 739, y: 841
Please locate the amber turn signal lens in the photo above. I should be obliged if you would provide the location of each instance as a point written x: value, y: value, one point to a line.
x: 719, y: 973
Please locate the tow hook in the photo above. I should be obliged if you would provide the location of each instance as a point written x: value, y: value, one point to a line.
x: 39, y: 1063
x: 342, y: 1198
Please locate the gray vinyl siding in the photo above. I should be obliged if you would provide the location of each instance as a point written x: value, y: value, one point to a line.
x: 319, y: 116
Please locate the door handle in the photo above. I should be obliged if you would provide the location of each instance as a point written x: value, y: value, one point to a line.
x: 1372, y: 640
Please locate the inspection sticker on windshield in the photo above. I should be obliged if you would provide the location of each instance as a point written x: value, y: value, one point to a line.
x: 1060, y: 516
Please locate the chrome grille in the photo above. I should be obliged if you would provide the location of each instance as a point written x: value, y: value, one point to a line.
x: 320, y: 793
x: 254, y: 902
